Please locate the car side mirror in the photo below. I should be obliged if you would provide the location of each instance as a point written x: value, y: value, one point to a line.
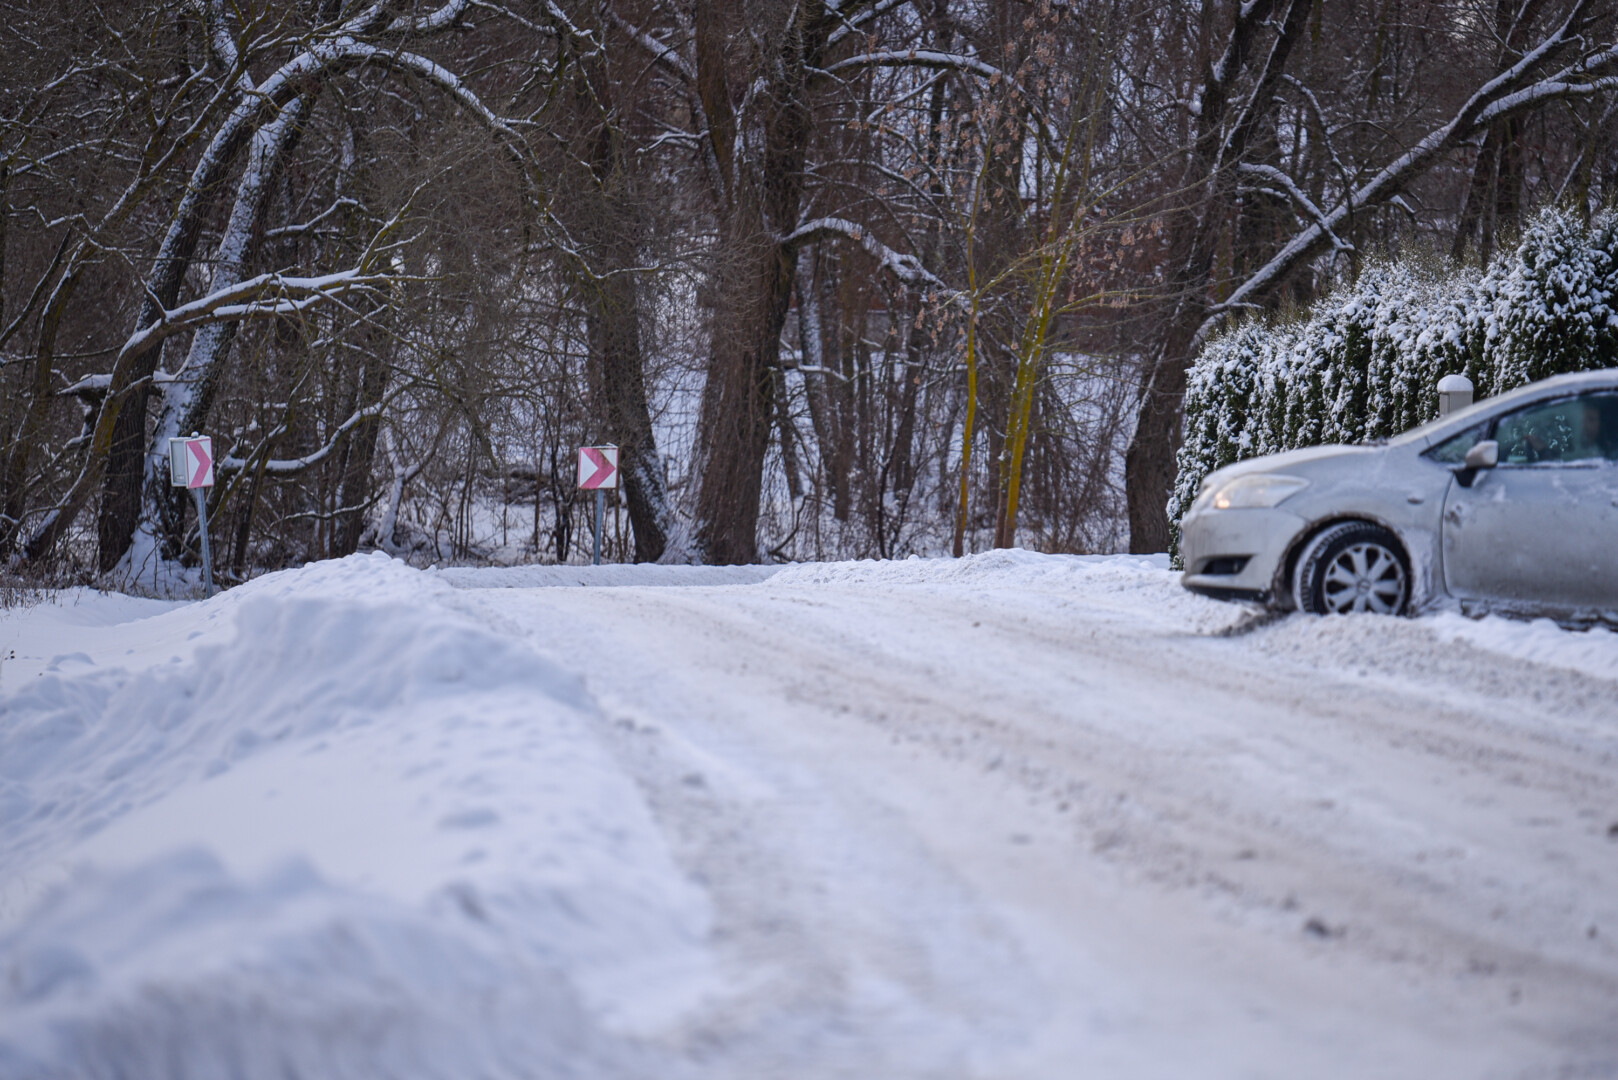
x: 1483, y: 455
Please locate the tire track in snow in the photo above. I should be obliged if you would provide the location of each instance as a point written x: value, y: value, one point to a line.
x: 1186, y: 765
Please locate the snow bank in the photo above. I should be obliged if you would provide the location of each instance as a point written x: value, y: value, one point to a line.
x: 1591, y: 652
x: 1001, y: 566
x: 52, y: 635
x: 353, y: 832
x: 653, y: 574
x: 176, y: 968
x: 1140, y: 584
x: 1443, y: 653
x: 74, y: 609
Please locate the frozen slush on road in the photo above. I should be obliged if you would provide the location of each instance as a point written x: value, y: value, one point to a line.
x: 1007, y: 816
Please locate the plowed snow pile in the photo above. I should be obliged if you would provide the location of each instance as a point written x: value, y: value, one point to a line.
x: 1008, y: 816
x: 360, y: 836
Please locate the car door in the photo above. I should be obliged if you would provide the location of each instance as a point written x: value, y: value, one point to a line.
x: 1540, y: 530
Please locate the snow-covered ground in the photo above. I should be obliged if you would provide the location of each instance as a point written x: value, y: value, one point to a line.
x: 1011, y: 816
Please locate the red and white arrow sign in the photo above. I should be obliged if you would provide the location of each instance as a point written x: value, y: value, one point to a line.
x: 191, y: 462
x: 598, y: 467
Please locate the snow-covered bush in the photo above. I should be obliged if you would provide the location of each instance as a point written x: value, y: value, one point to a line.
x: 1364, y: 362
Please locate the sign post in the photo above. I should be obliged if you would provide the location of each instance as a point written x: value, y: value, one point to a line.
x: 191, y: 466
x: 598, y: 470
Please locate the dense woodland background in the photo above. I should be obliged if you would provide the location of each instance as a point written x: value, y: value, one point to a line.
x: 857, y: 279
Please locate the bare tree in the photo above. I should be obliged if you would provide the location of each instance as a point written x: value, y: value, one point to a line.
x: 840, y: 278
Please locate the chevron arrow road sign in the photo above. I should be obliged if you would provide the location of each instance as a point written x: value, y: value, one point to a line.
x: 191, y: 466
x: 598, y: 467
x: 191, y: 462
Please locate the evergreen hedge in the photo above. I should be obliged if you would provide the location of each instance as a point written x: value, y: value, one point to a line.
x: 1364, y: 363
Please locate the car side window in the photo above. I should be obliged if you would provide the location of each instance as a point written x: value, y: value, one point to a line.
x: 1452, y: 451
x: 1598, y: 427
x: 1581, y: 428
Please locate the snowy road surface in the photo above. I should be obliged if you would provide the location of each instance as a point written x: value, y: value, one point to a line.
x: 1015, y: 816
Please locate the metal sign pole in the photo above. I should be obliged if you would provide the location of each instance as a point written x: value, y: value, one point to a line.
x: 191, y: 466
x: 202, y: 529
x: 598, y: 470
x: 601, y: 502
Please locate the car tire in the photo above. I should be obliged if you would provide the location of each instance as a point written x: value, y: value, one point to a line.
x: 1352, y: 567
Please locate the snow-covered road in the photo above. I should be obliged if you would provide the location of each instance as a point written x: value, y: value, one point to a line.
x: 1013, y: 816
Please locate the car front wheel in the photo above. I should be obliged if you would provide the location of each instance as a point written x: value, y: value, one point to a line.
x: 1355, y: 566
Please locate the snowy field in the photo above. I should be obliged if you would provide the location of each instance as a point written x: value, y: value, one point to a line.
x: 1014, y: 816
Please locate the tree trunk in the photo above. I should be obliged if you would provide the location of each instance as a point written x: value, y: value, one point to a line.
x: 125, y: 473
x: 737, y: 407
x: 824, y: 390
x: 612, y: 316
x: 1150, y: 462
x: 845, y: 410
x: 614, y: 333
x: 244, y: 523
x: 359, y: 458
x: 31, y: 430
x: 1477, y: 195
x: 902, y: 475
x: 754, y: 276
x: 789, y: 438
x: 1508, y: 184
x: 823, y: 415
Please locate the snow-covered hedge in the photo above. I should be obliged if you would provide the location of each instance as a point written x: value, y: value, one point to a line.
x: 1364, y: 362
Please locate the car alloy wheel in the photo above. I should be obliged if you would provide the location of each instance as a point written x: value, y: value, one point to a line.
x: 1355, y: 566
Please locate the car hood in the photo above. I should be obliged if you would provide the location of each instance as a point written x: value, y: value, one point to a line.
x: 1294, y: 461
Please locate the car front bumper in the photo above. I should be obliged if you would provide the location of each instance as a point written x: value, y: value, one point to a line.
x: 1215, y: 542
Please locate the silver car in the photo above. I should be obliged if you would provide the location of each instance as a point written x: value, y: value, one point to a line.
x: 1509, y: 505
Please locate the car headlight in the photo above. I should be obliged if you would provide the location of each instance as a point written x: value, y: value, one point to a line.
x: 1205, y: 495
x: 1254, y: 491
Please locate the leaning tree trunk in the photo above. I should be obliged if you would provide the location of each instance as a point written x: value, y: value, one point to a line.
x: 121, y: 472
x: 115, y: 446
x: 186, y: 402
x: 125, y: 472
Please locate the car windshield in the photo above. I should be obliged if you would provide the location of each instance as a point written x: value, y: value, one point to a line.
x: 1422, y: 431
x: 1452, y: 451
